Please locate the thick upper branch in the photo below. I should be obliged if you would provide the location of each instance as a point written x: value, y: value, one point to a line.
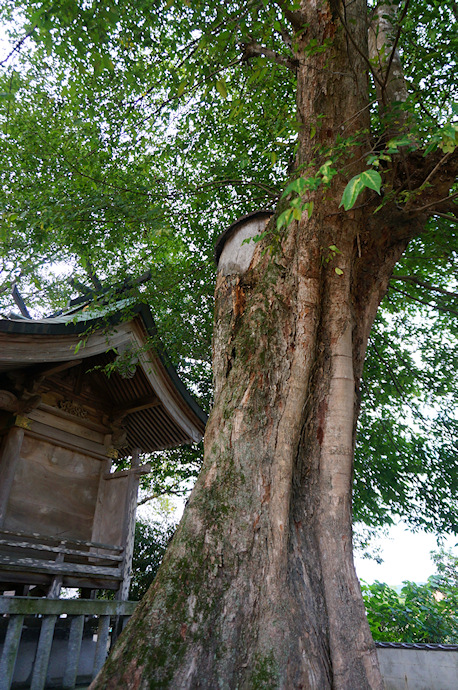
x: 254, y: 49
x: 295, y: 17
x: 386, y: 63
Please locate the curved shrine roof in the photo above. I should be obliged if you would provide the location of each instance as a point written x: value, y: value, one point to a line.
x: 150, y: 400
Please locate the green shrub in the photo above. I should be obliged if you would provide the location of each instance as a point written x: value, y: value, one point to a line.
x: 419, y: 612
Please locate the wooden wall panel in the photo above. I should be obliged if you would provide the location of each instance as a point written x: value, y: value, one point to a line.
x: 110, y: 512
x: 54, y: 491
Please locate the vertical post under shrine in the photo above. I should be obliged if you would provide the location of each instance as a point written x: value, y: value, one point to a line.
x: 9, y: 457
x: 129, y: 526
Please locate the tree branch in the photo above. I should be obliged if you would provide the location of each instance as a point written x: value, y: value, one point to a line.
x: 391, y: 86
x: 189, y: 91
x: 437, y: 167
x: 166, y: 492
x: 253, y: 49
x: 295, y: 18
x: 18, y: 45
x: 422, y: 283
x: 431, y: 179
x: 455, y: 10
x: 396, y: 383
x: 391, y: 373
x: 424, y: 302
x: 435, y: 203
x: 453, y: 219
x: 272, y: 191
x: 395, y: 44
x: 286, y: 38
x: 376, y: 403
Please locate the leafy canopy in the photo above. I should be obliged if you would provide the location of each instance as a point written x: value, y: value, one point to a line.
x: 133, y: 132
x: 419, y: 612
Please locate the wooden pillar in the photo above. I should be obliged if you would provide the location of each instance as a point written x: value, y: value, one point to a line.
x: 101, y: 650
x: 40, y: 667
x: 8, y: 460
x: 10, y: 650
x: 129, y: 527
x: 73, y: 653
x: 56, y: 585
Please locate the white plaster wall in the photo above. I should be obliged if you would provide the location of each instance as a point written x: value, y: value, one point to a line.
x: 419, y: 669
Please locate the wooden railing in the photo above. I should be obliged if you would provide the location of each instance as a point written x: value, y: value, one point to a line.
x: 39, y: 616
x: 55, y: 562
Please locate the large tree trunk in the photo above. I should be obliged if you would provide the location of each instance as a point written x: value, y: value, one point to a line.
x: 258, y: 588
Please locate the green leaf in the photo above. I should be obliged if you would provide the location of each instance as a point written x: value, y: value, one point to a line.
x: 221, y: 88
x: 285, y: 218
x: 298, y: 185
x: 327, y: 171
x: 449, y: 138
x: 339, y: 271
x: 351, y: 191
x: 372, y: 179
x: 369, y: 178
x: 432, y: 146
x: 394, y: 144
x: 450, y: 131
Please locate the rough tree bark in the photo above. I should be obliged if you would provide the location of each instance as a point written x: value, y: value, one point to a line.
x: 258, y: 587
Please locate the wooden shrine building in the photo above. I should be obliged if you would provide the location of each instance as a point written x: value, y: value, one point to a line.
x: 66, y: 518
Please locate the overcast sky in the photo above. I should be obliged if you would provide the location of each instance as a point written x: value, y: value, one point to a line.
x: 406, y: 557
